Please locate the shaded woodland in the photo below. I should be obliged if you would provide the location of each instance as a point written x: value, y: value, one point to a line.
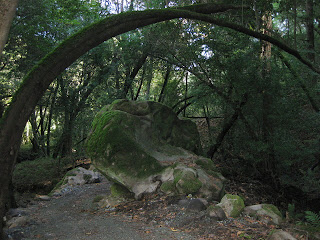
x: 246, y: 71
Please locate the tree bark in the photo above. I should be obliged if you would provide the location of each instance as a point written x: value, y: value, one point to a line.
x: 7, y: 13
x: 129, y: 79
x: 226, y: 127
x: 53, y: 101
x: 141, y: 82
x: 149, y: 76
x: 310, y: 30
x: 269, y: 158
x: 165, y: 83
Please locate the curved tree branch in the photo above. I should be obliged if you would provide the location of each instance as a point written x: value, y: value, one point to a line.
x: 260, y: 36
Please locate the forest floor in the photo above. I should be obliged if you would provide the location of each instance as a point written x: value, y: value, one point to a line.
x: 75, y: 215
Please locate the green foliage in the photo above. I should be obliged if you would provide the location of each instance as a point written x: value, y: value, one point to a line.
x: 313, y: 219
x: 40, y: 174
x: 293, y: 214
x: 119, y: 191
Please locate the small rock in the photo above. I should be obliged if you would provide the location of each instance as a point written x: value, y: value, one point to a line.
x: 216, y: 213
x: 43, y: 197
x: 17, y: 222
x: 196, y: 205
x: 281, y: 235
x: 16, y: 212
x: 184, y: 202
x: 267, y: 213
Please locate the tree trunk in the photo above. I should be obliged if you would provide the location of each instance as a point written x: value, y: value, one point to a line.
x: 310, y: 30
x: 53, y: 100
x: 165, y: 83
x: 149, y: 76
x: 7, y: 13
x: 129, y: 79
x: 35, y: 139
x: 226, y: 127
x: 206, y: 115
x: 64, y: 146
x: 269, y: 159
x: 311, y: 54
x: 295, y: 24
x: 141, y: 82
x: 186, y: 93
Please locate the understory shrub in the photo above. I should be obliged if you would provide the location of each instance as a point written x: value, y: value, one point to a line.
x: 39, y: 174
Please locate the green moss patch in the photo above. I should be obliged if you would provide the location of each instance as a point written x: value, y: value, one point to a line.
x: 237, y: 204
x: 119, y: 191
x: 271, y: 208
x: 112, y: 142
x: 186, y: 182
x: 168, y: 187
x: 38, y: 175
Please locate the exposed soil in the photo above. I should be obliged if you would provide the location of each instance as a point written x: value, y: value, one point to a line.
x: 75, y: 216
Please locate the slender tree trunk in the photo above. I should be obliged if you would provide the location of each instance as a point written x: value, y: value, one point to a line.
x: 206, y: 115
x: 186, y: 93
x: 226, y: 127
x: 310, y: 30
x: 35, y: 139
x: 133, y: 74
x: 165, y: 83
x: 149, y: 76
x: 267, y: 101
x: 311, y: 40
x: 141, y: 82
x: 295, y: 24
x: 49, y: 120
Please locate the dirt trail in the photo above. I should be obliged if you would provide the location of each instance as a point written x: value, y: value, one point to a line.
x: 74, y: 216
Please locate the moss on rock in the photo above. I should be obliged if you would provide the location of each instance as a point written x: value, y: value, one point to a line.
x: 233, y: 205
x: 112, y: 142
x: 119, y: 191
x: 168, y: 187
x: 271, y: 208
x: 186, y: 181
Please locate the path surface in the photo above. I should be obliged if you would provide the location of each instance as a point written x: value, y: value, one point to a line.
x: 74, y: 216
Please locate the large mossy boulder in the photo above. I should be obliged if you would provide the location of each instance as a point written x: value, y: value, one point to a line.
x: 138, y: 145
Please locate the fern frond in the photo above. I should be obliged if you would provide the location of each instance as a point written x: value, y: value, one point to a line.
x: 313, y: 218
